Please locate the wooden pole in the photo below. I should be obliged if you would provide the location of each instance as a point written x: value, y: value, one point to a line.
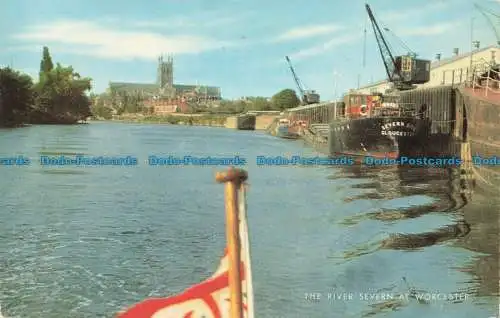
x: 233, y: 179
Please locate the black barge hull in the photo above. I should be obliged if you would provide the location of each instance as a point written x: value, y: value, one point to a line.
x: 379, y: 137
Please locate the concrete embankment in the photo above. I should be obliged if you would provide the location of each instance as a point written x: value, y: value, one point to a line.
x: 177, y: 119
x: 242, y: 122
x: 317, y: 136
x: 263, y: 122
x: 271, y: 129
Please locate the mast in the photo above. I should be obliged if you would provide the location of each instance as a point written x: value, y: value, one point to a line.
x: 296, y: 79
x: 233, y: 180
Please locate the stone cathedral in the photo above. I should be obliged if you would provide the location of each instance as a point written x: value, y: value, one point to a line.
x: 164, y: 88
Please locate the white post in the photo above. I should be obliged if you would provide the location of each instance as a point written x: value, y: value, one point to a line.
x: 471, y: 45
x: 335, y: 95
x: 488, y: 82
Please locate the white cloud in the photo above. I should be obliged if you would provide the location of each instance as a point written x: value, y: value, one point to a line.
x: 411, y: 13
x: 324, y: 47
x: 430, y: 30
x: 308, y: 31
x: 190, y: 22
x: 92, y: 39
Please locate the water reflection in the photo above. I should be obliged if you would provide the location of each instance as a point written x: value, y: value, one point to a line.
x: 472, y: 223
x: 413, y: 241
x: 483, y: 216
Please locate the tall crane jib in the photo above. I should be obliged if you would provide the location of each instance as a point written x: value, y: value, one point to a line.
x: 488, y: 15
x: 404, y: 70
x: 307, y: 96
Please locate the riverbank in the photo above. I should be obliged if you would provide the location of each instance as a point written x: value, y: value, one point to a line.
x: 37, y: 117
x: 174, y: 119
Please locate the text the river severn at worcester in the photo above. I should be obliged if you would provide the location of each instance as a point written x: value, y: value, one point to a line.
x: 334, y: 296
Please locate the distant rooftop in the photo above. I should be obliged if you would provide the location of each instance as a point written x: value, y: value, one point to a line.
x: 154, y: 88
x: 451, y: 59
x: 436, y: 63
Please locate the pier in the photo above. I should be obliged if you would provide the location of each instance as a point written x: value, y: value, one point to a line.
x: 464, y: 116
x: 322, y: 113
x: 241, y: 122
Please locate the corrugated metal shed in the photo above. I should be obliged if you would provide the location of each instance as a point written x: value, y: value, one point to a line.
x: 440, y: 103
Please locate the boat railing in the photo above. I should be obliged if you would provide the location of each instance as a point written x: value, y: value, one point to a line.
x: 487, y: 79
x: 400, y: 110
x: 389, y: 109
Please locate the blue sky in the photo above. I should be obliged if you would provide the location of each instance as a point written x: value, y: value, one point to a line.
x: 238, y: 45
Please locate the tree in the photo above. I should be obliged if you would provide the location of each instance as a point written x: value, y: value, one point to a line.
x: 133, y: 103
x: 99, y: 109
x: 46, y: 64
x: 284, y: 99
x: 261, y: 104
x: 59, y: 96
x: 61, y: 93
x: 15, y: 96
x: 232, y: 107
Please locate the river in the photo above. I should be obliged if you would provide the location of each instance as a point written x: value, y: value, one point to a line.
x: 326, y: 241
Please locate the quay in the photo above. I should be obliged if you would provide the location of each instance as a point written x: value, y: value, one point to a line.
x: 463, y: 104
x: 253, y: 120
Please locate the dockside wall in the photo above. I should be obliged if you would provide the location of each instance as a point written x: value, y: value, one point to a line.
x: 482, y: 133
x: 440, y: 103
x: 242, y: 122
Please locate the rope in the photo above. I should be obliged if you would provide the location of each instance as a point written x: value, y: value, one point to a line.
x: 444, y: 121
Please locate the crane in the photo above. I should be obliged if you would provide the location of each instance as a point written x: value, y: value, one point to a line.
x: 485, y: 12
x: 307, y: 96
x: 403, y: 71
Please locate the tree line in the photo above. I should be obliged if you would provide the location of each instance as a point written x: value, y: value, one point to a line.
x: 107, y: 104
x: 284, y: 99
x: 59, y: 96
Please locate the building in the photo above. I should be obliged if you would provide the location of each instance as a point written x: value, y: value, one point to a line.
x: 448, y: 71
x: 164, y: 96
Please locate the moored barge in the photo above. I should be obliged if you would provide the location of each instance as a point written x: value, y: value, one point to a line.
x: 378, y: 126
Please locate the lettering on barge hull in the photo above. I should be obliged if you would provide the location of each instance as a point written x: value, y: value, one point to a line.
x: 394, y: 135
x: 398, y: 124
x: 398, y: 128
x: 389, y: 129
x: 397, y: 133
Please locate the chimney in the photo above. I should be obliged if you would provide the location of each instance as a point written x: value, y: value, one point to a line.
x: 455, y: 51
x: 438, y: 57
x: 476, y: 44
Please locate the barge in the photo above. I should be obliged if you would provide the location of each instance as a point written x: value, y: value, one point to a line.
x: 378, y: 126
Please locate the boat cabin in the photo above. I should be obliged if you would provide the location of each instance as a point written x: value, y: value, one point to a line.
x: 284, y: 122
x: 371, y: 105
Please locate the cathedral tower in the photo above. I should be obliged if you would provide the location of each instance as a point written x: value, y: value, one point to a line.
x: 165, y: 73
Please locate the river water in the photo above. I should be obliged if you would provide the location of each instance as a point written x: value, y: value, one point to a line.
x: 326, y: 241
